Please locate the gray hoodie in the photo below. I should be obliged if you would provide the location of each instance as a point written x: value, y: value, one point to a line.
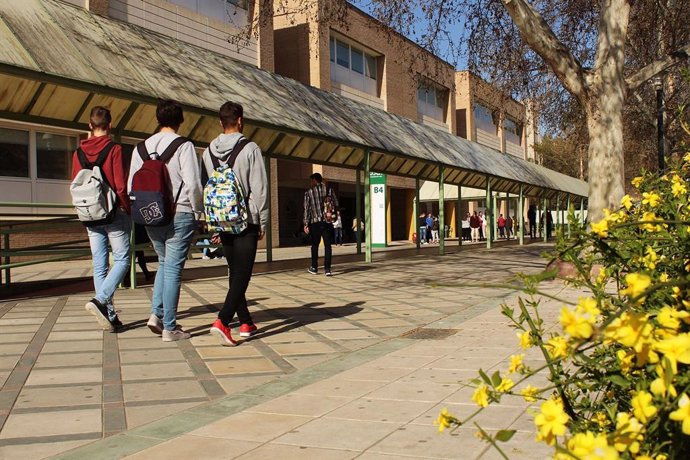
x: 183, y: 168
x: 249, y: 169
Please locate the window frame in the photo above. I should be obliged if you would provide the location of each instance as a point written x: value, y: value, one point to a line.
x: 28, y: 154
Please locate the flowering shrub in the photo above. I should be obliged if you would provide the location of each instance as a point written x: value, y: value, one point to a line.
x: 619, y: 364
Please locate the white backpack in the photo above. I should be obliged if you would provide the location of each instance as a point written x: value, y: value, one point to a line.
x: 92, y: 196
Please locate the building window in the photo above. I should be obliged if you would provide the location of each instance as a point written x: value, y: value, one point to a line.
x: 14, y: 153
x: 353, y: 67
x: 485, y: 119
x: 54, y: 155
x: 431, y: 101
x: 512, y: 131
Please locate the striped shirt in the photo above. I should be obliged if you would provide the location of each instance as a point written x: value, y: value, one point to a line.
x: 313, y: 203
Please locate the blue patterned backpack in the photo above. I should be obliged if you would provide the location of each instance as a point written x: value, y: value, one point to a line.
x: 225, y: 203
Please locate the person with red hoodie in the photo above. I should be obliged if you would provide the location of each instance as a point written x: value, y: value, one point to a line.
x: 116, y: 231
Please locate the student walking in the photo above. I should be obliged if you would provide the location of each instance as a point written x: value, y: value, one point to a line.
x: 320, y: 204
x: 100, y: 158
x: 228, y: 153
x: 475, y: 225
x: 422, y: 229
x: 532, y: 218
x: 501, y: 226
x: 338, y: 229
x: 172, y: 237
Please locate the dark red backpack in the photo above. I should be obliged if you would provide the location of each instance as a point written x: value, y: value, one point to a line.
x: 151, y: 192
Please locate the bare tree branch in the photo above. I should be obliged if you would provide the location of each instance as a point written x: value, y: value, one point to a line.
x: 538, y: 35
x: 656, y: 67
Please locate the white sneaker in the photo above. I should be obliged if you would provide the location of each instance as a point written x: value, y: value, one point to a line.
x: 177, y: 334
x: 155, y: 324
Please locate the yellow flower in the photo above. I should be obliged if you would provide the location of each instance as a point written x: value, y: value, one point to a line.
x: 659, y: 386
x: 551, y: 421
x: 643, y: 409
x: 601, y: 229
x: 649, y: 218
x: 683, y: 413
x: 530, y: 393
x: 633, y: 330
x: 636, y: 182
x: 637, y: 285
x: 505, y: 385
x: 591, y: 447
x: 588, y: 305
x: 686, y: 158
x: 669, y: 319
x: 626, y: 202
x: 676, y: 349
x: 481, y: 396
x: 678, y: 186
x: 650, y: 258
x: 601, y: 419
x: 516, y: 363
x: 651, y: 198
x: 557, y: 347
x: 525, y: 339
x: 575, y: 325
x: 628, y: 433
x: 444, y: 420
x: 625, y: 358
x: 664, y: 278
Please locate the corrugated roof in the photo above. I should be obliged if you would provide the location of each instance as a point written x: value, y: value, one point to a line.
x: 56, y: 60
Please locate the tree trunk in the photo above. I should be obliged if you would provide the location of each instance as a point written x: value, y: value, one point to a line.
x: 605, y: 126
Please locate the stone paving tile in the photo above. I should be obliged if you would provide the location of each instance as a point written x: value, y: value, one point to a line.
x: 337, y: 386
x: 74, y: 395
x: 241, y: 366
x: 141, y: 415
x: 196, y: 447
x: 425, y: 441
x: 328, y: 433
x: 52, y: 423
x: 155, y: 371
x: 250, y: 426
x: 378, y: 410
x: 301, y: 404
x: 40, y: 450
x: 69, y: 360
x: 65, y: 375
x: 169, y: 390
x: 272, y: 451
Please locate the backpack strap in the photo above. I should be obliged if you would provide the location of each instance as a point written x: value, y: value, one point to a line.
x: 141, y: 150
x: 172, y: 148
x: 100, y: 159
x: 230, y: 162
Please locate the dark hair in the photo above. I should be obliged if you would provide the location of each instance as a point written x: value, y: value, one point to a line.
x: 229, y: 113
x: 317, y: 177
x: 169, y: 114
x: 100, y: 117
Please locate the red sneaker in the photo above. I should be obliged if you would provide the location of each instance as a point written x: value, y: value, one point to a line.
x: 247, y: 330
x: 223, y: 332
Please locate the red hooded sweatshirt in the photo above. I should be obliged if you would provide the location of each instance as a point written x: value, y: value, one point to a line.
x: 113, y: 169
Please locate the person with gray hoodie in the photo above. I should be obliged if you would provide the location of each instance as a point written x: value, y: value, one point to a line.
x: 171, y: 242
x: 239, y: 249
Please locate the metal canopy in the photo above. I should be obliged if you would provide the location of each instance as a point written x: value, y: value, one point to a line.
x: 58, y: 60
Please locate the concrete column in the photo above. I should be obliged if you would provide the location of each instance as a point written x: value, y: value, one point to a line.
x: 489, y: 213
x: 358, y: 209
x: 269, y: 227
x: 521, y: 217
x: 458, y: 216
x: 417, y: 210
x: 544, y: 224
x: 367, y: 206
x: 495, y: 209
x: 441, y: 213
x: 558, y: 212
x: 582, y: 211
x: 567, y: 203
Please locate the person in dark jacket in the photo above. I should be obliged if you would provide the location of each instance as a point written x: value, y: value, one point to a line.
x: 116, y: 232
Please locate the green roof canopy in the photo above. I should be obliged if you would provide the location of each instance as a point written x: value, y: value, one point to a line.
x: 58, y: 60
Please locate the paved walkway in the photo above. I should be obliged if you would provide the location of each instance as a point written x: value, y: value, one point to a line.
x: 333, y: 373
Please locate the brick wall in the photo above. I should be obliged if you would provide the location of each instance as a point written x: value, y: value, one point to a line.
x: 70, y: 232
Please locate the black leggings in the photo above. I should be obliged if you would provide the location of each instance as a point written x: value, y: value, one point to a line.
x: 240, y: 252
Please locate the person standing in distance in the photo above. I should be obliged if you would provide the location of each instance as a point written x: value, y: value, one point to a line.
x: 239, y: 249
x: 316, y: 222
x: 116, y: 231
x: 171, y: 242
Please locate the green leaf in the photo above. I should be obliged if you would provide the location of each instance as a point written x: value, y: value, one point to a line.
x: 619, y: 380
x: 496, y: 378
x: 504, y: 435
x: 485, y: 377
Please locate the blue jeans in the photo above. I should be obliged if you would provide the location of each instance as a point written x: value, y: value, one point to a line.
x: 338, y: 235
x: 106, y: 279
x: 171, y: 243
